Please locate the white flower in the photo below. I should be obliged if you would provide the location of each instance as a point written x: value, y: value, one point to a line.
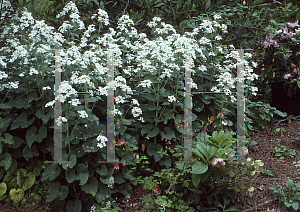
x: 102, y: 17
x: 217, y: 17
x: 171, y: 99
x: 136, y: 111
x: 82, y: 114
x: 33, y: 71
x: 218, y: 38
x: 102, y: 142
x: 204, y: 40
x: 119, y: 99
x: 116, y: 111
x: 135, y: 102
x: 254, y: 64
x: 202, y: 68
x: 74, y: 102
x: 218, y: 162
x: 224, y: 123
x: 59, y: 120
x: 64, y: 27
x: 141, y: 119
x: 145, y: 83
x: 3, y: 75
x: 50, y: 103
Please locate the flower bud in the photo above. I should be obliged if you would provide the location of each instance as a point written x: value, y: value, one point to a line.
x: 143, y: 147
x: 118, y: 126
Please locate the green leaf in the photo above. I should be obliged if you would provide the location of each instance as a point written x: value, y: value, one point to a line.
x: 82, y: 174
x: 6, y: 161
x: 70, y: 175
x: 56, y: 191
x: 102, y: 192
x: 119, y: 178
x: 74, y: 206
x: 153, y: 132
x: 30, y: 153
x: 24, y: 180
x: 169, y: 133
x: 196, y: 179
x: 16, y: 195
x: 42, y: 134
x: 21, y: 121
x: 93, y: 99
x: 289, y: 183
x: 103, y: 171
x: 91, y: 186
x: 51, y: 172
x: 3, y: 189
x: 33, y: 96
x: 8, y: 139
x: 199, y: 168
x: 166, y: 162
x: 45, y: 117
x: 151, y: 149
x: 31, y: 135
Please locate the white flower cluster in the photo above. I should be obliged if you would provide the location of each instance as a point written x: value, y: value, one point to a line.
x: 171, y: 98
x: 59, y: 120
x: 136, y: 111
x: 102, y: 142
x: 102, y: 17
x: 82, y: 114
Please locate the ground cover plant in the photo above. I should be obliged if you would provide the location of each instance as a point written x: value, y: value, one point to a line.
x: 144, y: 76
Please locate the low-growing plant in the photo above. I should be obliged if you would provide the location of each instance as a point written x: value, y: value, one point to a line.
x: 289, y: 196
x: 280, y: 129
x: 283, y: 152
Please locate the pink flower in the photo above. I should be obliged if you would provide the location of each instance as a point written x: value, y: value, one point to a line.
x: 293, y: 25
x: 221, y: 114
x: 244, y: 151
x: 287, y: 76
x: 226, y: 155
x: 267, y: 44
x: 126, y: 143
x: 218, y: 162
x: 117, y: 166
x: 160, y: 150
x: 111, y: 146
x: 120, y: 142
x: 204, y: 132
x: 178, y: 124
x: 143, y: 147
x: 162, y: 138
x: 118, y: 126
x: 211, y: 120
x: 155, y: 189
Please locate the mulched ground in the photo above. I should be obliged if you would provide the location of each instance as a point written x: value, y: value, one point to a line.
x: 262, y: 199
